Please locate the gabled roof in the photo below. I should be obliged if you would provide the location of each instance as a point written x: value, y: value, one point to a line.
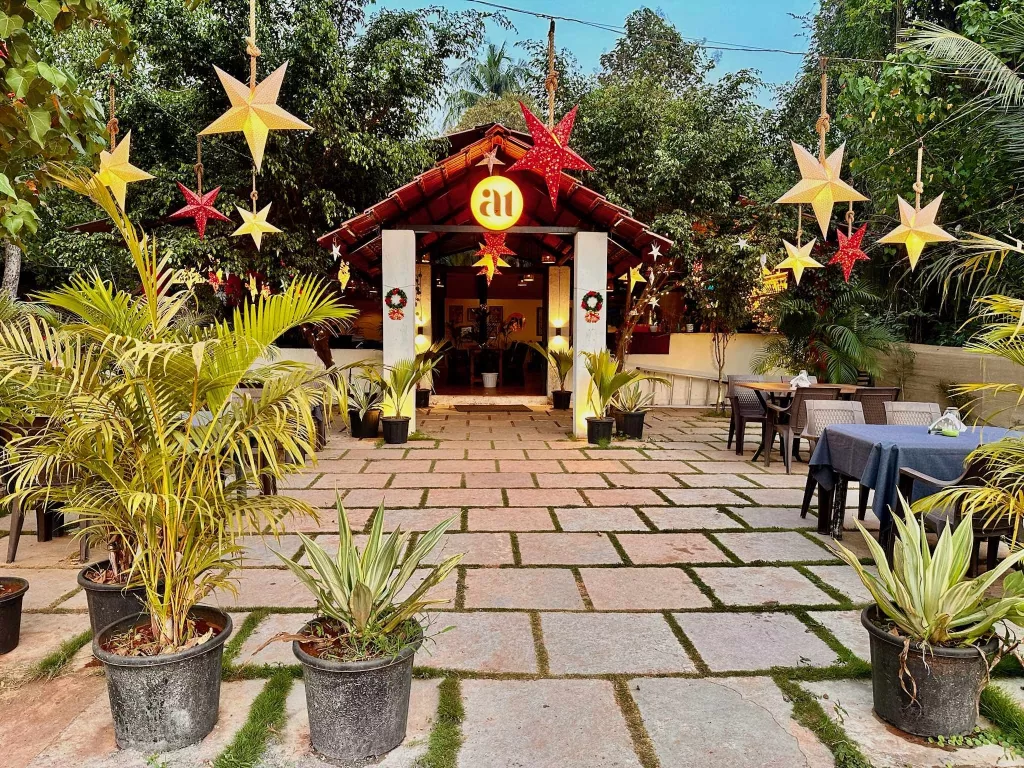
x: 441, y: 194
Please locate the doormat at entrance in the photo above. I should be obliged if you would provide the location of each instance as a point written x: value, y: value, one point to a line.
x: 492, y: 408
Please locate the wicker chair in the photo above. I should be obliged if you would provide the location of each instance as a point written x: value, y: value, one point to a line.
x: 874, y: 400
x: 821, y: 414
x: 789, y: 421
x: 744, y: 406
x: 911, y: 414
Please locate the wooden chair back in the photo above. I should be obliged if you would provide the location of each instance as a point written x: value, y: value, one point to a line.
x: 909, y: 414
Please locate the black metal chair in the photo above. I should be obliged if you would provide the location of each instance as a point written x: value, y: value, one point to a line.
x: 744, y: 407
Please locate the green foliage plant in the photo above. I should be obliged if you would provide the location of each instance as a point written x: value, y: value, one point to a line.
x: 151, y: 439
x: 398, y: 382
x: 357, y: 591
x: 560, y: 360
x: 606, y: 380
x: 365, y: 395
x: 926, y: 594
x: 633, y: 398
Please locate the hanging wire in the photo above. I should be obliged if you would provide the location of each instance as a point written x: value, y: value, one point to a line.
x: 250, y: 44
x: 254, y: 195
x: 198, y: 167
x: 919, y: 185
x: 824, y: 121
x: 551, y: 82
x: 112, y: 120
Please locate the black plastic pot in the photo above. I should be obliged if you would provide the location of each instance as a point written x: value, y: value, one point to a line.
x: 10, y: 613
x: 109, y: 602
x: 616, y: 414
x: 599, y: 430
x: 360, y: 709
x: 633, y: 424
x: 396, y: 429
x: 422, y: 397
x: 366, y: 426
x: 946, y: 682
x: 160, y: 703
x: 560, y: 399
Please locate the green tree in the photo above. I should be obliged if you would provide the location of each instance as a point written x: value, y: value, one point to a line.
x: 45, y: 117
x: 493, y: 77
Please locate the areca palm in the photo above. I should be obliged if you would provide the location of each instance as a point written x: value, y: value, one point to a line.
x: 149, y: 438
x: 478, y: 80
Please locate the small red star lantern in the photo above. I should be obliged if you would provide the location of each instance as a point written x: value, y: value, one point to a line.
x: 491, y: 251
x: 849, y: 252
x: 550, y: 154
x: 199, y: 207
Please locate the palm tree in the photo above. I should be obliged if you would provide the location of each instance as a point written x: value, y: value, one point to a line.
x: 490, y: 78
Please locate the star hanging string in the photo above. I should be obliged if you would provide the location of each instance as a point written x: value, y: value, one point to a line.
x: 199, y: 207
x: 634, y: 277
x: 255, y: 224
x: 491, y: 251
x: 550, y: 153
x: 798, y: 259
x: 490, y: 159
x: 850, y: 252
x: 254, y: 112
x: 820, y: 185
x: 116, y: 172
x: 917, y: 228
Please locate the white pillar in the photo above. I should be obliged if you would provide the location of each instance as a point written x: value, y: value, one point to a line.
x: 398, y: 266
x: 590, y: 273
x: 559, y: 319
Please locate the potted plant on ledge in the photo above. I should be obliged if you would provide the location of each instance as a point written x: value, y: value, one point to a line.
x: 606, y: 381
x: 357, y: 654
x: 561, y: 362
x: 158, y: 446
x: 933, y: 632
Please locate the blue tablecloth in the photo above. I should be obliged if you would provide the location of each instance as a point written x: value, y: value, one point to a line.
x: 873, y: 454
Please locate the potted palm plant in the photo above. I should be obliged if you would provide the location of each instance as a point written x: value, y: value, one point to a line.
x: 560, y: 361
x: 632, y: 403
x: 606, y: 381
x: 933, y: 632
x: 158, y: 445
x: 434, y: 353
x: 397, y: 383
x: 364, y: 404
x: 357, y: 654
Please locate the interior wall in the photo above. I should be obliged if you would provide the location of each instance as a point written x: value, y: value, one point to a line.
x: 526, y: 307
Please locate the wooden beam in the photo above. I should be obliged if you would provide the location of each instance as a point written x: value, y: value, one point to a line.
x: 467, y: 229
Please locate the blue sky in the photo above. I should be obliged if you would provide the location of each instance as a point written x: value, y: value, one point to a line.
x: 760, y: 23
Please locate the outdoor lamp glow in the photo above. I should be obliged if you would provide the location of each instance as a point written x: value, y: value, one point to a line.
x: 420, y: 342
x: 558, y: 342
x: 496, y: 203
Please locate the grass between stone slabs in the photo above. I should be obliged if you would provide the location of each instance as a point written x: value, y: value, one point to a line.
x: 266, y: 717
x: 1005, y: 713
x: 234, y: 645
x: 57, y: 661
x: 446, y: 735
x: 642, y: 744
x: 810, y: 714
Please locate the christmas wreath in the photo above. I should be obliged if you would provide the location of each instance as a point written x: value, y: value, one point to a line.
x: 592, y: 303
x: 396, y: 300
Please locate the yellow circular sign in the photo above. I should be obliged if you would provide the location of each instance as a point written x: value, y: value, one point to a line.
x: 496, y: 202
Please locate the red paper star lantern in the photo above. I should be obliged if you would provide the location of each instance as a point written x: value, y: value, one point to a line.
x: 550, y: 154
x: 849, y: 252
x: 491, y: 251
x: 200, y: 208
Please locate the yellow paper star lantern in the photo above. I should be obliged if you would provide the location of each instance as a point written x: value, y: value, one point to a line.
x: 116, y: 172
x: 820, y: 185
x: 255, y: 224
x: 798, y: 259
x: 917, y: 228
x: 634, y: 277
x: 254, y: 112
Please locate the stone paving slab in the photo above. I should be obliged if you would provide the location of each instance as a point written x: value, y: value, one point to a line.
x: 599, y: 519
x: 776, y: 517
x: 764, y: 586
x: 845, y: 579
x: 768, y: 640
x: 845, y: 626
x: 480, y: 642
x: 544, y: 497
x: 60, y: 552
x: 278, y: 652
x: 45, y: 585
x: 529, y: 588
x: 567, y: 549
x: 642, y: 589
x: 781, y: 547
x: 502, y: 480
x: 703, y: 497
x: 689, y: 518
x: 622, y: 496
x: 739, y: 722
x: 264, y: 587
x: 41, y: 635
x: 476, y: 549
x: 420, y: 519
x: 566, y: 480
x: 592, y: 643
x: 543, y: 724
x: 510, y: 519
x: 670, y: 548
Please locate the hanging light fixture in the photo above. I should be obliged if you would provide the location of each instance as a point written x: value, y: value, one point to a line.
x: 547, y: 258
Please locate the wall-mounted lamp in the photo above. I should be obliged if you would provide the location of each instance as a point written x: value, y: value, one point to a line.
x: 559, y: 341
x: 420, y: 342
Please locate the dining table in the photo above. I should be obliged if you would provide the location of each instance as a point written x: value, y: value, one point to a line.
x: 874, y: 454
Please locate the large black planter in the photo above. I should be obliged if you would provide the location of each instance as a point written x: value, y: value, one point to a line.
x: 109, y: 602
x: 560, y: 399
x: 360, y: 709
x: 599, y: 430
x: 396, y: 429
x: 422, y: 397
x: 160, y: 703
x: 948, y: 682
x: 633, y: 424
x: 10, y: 612
x: 366, y: 426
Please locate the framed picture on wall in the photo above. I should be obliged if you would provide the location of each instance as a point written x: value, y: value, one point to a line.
x: 455, y: 314
x: 495, y: 318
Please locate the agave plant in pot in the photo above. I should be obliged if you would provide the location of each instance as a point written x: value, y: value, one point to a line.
x: 560, y: 361
x: 606, y: 381
x: 357, y: 654
x: 159, y: 445
x: 632, y: 403
x: 934, y: 633
x: 397, y: 383
x: 364, y: 404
